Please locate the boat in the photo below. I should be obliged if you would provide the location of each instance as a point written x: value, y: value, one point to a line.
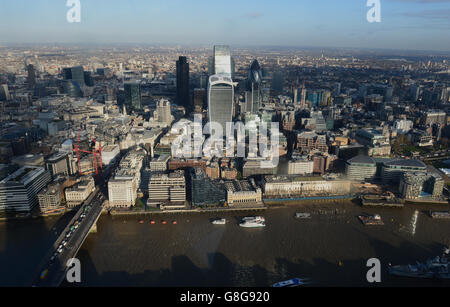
x: 174, y: 222
x: 440, y: 214
x: 252, y: 218
x: 141, y: 222
x: 371, y: 220
x: 253, y: 222
x: 303, y: 215
x: 152, y: 222
x: 164, y: 222
x: 219, y: 222
x: 436, y: 268
x: 294, y: 282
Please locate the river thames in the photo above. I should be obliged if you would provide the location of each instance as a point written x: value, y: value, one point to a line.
x: 331, y: 249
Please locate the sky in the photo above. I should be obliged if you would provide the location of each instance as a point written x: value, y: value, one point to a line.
x: 405, y: 24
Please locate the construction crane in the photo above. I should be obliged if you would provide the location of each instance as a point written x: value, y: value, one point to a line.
x: 93, y: 152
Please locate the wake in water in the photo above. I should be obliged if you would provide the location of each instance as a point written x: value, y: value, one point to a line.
x: 412, y: 226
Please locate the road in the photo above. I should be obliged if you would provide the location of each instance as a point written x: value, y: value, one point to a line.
x: 53, y: 268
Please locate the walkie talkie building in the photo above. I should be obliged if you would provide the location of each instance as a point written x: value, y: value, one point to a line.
x: 220, y: 100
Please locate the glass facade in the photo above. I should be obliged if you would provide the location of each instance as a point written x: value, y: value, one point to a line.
x: 133, y: 95
x: 222, y: 60
x: 220, y: 100
x: 204, y: 190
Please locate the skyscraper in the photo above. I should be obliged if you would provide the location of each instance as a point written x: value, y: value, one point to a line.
x: 220, y: 100
x: 163, y: 111
x: 31, y: 78
x: 133, y: 95
x: 77, y: 74
x: 183, y: 98
x: 221, y: 63
x: 253, y: 94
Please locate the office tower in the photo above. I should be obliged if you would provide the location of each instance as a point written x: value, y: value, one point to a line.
x: 221, y: 63
x: 67, y: 73
x: 167, y: 190
x: 183, y: 98
x: 199, y: 99
x: 71, y: 88
x: 205, y: 191
x: 89, y: 81
x: 220, y: 100
x: 163, y: 112
x: 133, y: 95
x: 77, y: 73
x: 31, y: 78
x: 18, y: 192
x: 278, y: 81
x: 58, y: 164
x: 4, y: 93
x: 253, y: 95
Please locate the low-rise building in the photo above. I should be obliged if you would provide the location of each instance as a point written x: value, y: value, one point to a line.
x: 300, y: 166
x: 243, y: 193
x: 50, y: 198
x: 159, y: 163
x: 295, y: 186
x: 361, y: 168
x: 78, y: 193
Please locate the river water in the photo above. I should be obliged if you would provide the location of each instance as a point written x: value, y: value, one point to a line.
x: 330, y: 249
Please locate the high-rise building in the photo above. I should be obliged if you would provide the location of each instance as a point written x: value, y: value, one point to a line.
x: 163, y: 112
x: 133, y: 95
x: 4, y: 93
x: 221, y: 63
x: 77, y: 74
x: 253, y: 94
x: 199, y: 99
x: 31, y: 78
x: 220, y: 100
x: 183, y: 98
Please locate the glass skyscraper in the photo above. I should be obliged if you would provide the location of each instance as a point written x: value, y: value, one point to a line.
x: 133, y: 95
x: 253, y: 95
x: 78, y: 75
x: 183, y: 97
x: 220, y: 100
x: 221, y: 63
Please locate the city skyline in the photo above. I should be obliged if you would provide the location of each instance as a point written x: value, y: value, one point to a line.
x: 405, y: 24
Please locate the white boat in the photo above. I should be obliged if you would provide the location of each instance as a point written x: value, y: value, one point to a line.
x: 253, y: 222
x: 219, y: 222
x: 303, y: 215
x: 254, y: 218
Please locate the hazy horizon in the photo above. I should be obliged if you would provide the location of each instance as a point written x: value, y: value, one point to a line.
x: 416, y: 25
